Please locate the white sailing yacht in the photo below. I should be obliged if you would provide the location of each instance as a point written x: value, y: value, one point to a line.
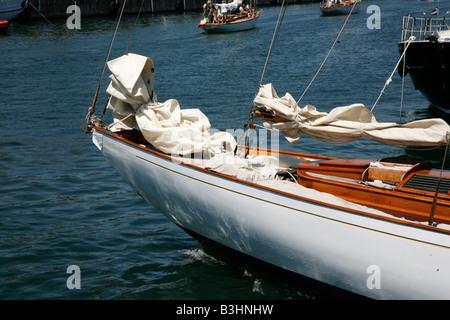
x: 375, y: 228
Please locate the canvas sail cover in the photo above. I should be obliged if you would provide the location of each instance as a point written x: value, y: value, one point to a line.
x: 165, y: 125
x: 234, y: 5
x: 346, y: 123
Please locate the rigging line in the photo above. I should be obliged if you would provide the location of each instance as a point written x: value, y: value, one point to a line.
x: 433, y: 206
x: 389, y: 80
x: 39, y: 12
x: 329, y: 52
x: 92, y: 108
x: 135, y: 25
x: 403, y: 86
x: 275, y: 35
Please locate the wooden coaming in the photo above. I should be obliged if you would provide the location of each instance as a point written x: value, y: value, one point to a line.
x: 400, y: 201
x: 344, y: 168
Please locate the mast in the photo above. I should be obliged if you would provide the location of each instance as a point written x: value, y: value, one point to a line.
x: 437, y: 15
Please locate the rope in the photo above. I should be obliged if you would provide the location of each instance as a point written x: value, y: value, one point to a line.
x: 39, y: 13
x: 329, y: 52
x: 433, y: 206
x: 389, y: 80
x: 92, y: 108
x: 403, y: 86
x: 274, y: 37
x: 118, y: 122
x: 135, y: 25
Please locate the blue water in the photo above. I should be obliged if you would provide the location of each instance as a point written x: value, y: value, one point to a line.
x: 61, y: 204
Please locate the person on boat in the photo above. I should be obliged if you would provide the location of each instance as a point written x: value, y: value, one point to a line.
x: 242, y: 10
x: 249, y: 11
x: 223, y: 12
x: 207, y: 10
x: 215, y: 14
x: 219, y: 17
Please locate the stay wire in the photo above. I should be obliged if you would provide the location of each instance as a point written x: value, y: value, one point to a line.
x: 92, y: 108
x: 135, y: 25
x: 40, y: 13
x: 403, y: 87
x: 389, y: 80
x: 438, y: 184
x: 329, y: 52
x: 274, y: 37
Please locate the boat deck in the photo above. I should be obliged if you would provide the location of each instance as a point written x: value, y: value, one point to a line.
x: 402, y: 189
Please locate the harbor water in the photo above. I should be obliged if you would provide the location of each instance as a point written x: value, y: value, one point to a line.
x: 62, y: 204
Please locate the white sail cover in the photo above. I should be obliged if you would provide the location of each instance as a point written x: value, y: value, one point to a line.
x: 346, y: 123
x: 230, y: 6
x: 165, y: 125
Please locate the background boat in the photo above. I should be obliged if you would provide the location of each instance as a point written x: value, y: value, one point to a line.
x: 231, y: 20
x: 339, y: 7
x: 10, y: 9
x: 231, y: 26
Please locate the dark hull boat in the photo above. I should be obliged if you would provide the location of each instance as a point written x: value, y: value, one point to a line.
x: 427, y: 58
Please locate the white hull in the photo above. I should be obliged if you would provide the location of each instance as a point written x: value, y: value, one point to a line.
x: 10, y: 9
x: 230, y: 26
x: 344, y: 249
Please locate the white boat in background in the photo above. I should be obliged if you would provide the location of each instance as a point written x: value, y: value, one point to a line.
x: 339, y: 7
x: 378, y: 229
x: 229, y: 17
x: 10, y: 9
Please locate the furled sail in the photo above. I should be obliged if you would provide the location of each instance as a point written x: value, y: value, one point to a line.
x: 234, y: 5
x: 346, y: 123
x: 165, y: 125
